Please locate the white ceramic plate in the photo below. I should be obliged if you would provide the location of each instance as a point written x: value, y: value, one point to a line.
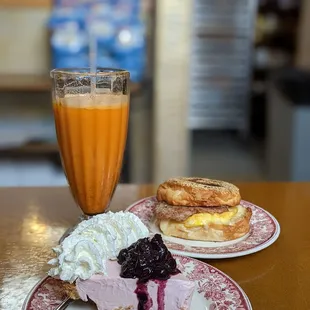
x: 264, y: 231
x: 214, y: 290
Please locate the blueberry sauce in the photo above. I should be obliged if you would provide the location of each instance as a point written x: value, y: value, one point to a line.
x: 148, y: 259
x: 145, y: 301
x: 161, y: 293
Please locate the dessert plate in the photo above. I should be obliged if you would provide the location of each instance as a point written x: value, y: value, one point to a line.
x: 264, y: 231
x: 214, y: 290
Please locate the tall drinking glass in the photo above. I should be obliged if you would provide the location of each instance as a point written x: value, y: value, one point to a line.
x: 91, y: 118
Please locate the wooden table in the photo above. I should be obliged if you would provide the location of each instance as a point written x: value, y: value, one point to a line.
x: 33, y: 219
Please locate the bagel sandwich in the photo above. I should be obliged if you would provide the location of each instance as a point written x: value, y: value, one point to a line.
x: 201, y: 209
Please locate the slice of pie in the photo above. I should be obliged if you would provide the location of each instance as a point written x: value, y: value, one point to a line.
x: 110, y: 260
x: 144, y: 277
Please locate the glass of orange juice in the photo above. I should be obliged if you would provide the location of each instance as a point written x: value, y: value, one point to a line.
x: 91, y: 119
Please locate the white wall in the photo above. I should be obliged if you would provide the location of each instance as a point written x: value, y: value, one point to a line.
x: 24, y: 44
x: 173, y: 43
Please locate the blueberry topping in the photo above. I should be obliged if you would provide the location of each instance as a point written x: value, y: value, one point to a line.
x: 147, y: 259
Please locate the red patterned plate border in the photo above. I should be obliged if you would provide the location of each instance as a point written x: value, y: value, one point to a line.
x: 214, y: 289
x: 265, y: 230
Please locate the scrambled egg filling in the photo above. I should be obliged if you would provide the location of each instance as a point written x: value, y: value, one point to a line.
x: 201, y: 219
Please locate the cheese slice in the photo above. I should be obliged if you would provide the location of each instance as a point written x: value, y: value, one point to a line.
x: 202, y: 219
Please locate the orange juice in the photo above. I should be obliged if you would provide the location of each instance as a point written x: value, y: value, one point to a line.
x: 91, y: 134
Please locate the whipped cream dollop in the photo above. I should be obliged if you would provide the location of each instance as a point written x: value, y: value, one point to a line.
x: 85, y: 251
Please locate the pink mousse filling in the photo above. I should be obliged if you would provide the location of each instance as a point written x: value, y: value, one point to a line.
x: 110, y: 292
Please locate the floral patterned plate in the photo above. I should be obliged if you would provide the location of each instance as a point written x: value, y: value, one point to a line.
x: 264, y: 231
x: 214, y: 290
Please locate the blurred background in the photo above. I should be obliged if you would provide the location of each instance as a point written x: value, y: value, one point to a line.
x: 220, y: 88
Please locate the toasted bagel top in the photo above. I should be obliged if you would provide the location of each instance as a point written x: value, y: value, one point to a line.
x: 198, y: 192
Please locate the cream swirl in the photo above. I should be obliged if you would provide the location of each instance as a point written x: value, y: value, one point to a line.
x: 85, y: 251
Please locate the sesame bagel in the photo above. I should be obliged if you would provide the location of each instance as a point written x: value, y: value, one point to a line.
x: 198, y: 192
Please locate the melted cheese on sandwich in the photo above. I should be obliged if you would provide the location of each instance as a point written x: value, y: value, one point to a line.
x: 202, y: 219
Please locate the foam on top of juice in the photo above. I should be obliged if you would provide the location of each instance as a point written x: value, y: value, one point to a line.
x: 97, y: 101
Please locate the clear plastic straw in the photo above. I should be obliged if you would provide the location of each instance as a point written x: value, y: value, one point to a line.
x: 93, y: 59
